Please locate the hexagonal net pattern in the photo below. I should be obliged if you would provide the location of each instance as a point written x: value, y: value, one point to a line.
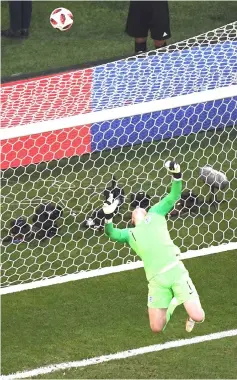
x: 69, y: 139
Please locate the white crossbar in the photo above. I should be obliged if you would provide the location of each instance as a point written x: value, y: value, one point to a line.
x: 118, y: 113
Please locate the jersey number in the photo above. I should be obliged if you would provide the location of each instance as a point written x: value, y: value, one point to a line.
x: 190, y: 288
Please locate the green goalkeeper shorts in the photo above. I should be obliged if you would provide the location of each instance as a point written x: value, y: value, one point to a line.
x: 173, y: 283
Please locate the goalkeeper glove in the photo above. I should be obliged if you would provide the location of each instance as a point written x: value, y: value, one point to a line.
x: 174, y: 169
x: 109, y: 207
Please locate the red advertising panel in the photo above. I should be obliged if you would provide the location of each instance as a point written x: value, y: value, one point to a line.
x: 40, y: 99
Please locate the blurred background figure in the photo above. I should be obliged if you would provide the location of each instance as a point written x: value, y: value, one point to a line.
x: 145, y: 16
x: 20, y: 17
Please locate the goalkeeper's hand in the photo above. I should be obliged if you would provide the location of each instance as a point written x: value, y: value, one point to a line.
x: 174, y: 169
x: 109, y: 207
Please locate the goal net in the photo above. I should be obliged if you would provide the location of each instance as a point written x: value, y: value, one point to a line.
x: 65, y: 136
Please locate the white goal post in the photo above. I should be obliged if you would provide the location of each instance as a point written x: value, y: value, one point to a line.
x: 65, y: 136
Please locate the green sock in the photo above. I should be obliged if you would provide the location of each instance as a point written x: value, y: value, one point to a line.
x: 173, y: 304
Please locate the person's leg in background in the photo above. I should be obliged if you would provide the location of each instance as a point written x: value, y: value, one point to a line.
x: 140, y: 45
x: 138, y: 24
x: 26, y: 11
x: 160, y: 23
x: 15, y: 20
x: 20, y: 17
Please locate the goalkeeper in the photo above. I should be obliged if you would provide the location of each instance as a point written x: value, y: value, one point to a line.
x: 169, y: 283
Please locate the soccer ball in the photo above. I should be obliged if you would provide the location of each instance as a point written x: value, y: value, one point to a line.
x: 61, y: 19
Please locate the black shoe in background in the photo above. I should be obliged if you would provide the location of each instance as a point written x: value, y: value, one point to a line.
x: 9, y: 33
x: 24, y: 33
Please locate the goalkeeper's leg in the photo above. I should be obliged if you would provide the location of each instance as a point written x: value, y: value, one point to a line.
x: 186, y: 293
x: 195, y: 312
x: 160, y: 317
x: 157, y: 317
x: 159, y: 301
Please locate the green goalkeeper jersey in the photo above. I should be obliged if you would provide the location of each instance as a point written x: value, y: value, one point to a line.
x: 150, y: 239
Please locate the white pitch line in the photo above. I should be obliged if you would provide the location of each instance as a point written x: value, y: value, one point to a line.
x: 119, y: 355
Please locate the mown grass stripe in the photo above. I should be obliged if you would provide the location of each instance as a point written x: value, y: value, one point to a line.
x: 120, y: 355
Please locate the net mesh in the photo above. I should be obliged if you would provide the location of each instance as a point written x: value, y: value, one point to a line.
x: 70, y: 168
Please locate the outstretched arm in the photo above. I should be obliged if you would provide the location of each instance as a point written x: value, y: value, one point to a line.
x: 116, y: 234
x: 168, y: 202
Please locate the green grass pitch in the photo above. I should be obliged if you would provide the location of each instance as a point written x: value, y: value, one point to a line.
x: 98, y: 32
x: 108, y: 314
x: 99, y: 316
